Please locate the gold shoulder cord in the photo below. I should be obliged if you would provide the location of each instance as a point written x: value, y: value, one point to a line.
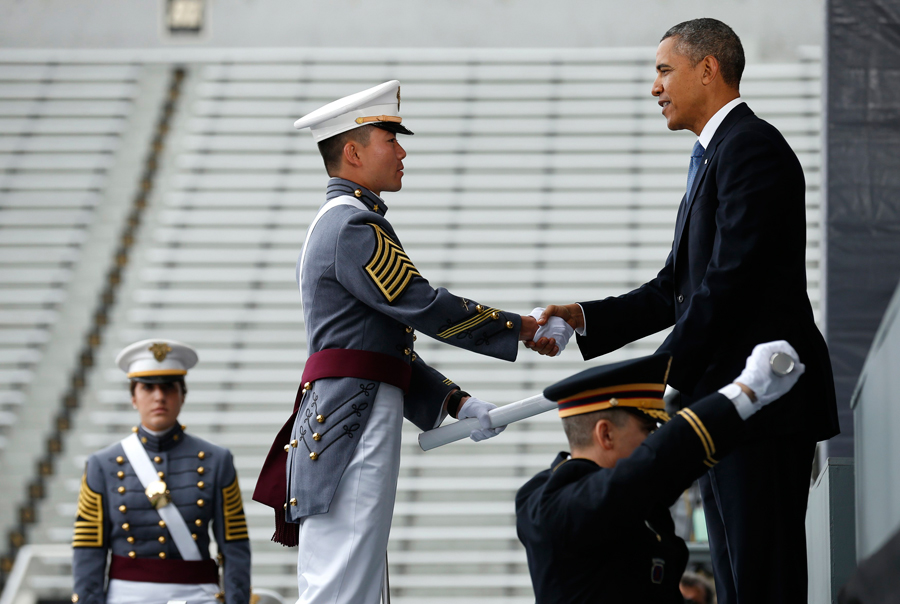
x: 233, y: 509
x: 89, y: 521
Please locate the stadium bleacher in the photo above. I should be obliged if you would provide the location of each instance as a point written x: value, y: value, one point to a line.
x: 533, y: 177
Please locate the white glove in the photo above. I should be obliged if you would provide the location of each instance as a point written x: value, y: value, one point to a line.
x: 555, y: 328
x: 475, y: 407
x: 766, y: 385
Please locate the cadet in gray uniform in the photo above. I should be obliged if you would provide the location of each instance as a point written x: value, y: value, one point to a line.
x: 152, y: 497
x: 332, y: 472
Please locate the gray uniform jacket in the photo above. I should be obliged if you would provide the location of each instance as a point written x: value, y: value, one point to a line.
x: 115, y: 514
x: 361, y: 291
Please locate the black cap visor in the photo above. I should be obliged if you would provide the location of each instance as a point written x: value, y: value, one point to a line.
x: 394, y: 127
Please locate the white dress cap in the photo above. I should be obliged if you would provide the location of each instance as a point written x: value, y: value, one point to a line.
x: 156, y: 361
x: 377, y: 105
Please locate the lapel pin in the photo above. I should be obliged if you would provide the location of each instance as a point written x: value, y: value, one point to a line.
x: 704, y: 161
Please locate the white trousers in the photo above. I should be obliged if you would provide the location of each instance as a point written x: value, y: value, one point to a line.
x: 141, y: 592
x: 342, y: 552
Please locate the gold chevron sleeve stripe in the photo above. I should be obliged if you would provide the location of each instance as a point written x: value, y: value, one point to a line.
x: 89, y: 522
x: 233, y: 510
x: 712, y: 445
x: 689, y: 419
x: 448, y: 381
x: 390, y: 267
x: 468, y: 323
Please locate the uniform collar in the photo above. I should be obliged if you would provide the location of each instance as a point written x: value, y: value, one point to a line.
x: 167, y: 441
x: 339, y: 186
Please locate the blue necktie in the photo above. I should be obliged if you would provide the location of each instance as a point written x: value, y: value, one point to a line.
x: 696, y: 156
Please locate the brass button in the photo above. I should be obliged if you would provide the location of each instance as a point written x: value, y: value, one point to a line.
x: 132, y: 555
x: 200, y: 503
x: 123, y: 509
x: 413, y: 357
x: 317, y: 436
x: 614, y: 402
x: 120, y: 474
x: 409, y: 329
x: 509, y: 325
x: 495, y: 315
x: 74, y: 598
x: 194, y: 535
x: 415, y: 338
x: 198, y: 522
x: 176, y: 437
x: 314, y: 456
x: 294, y: 443
x: 162, y: 555
x: 157, y: 459
x: 479, y: 308
x: 130, y: 539
x: 120, y: 460
x: 144, y: 439
x: 407, y: 351
x: 183, y: 427
x: 201, y: 484
x: 287, y: 448
x: 162, y: 524
x: 320, y: 418
x: 126, y: 527
x: 161, y: 539
x: 358, y: 192
x: 307, y: 386
x: 134, y: 428
x: 121, y: 489
x: 201, y: 455
x: 161, y: 474
x: 285, y: 506
x: 293, y: 501
x: 200, y: 470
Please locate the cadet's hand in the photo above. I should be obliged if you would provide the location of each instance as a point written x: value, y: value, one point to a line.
x: 475, y: 407
x: 570, y: 313
x: 552, y: 337
x: 765, y: 385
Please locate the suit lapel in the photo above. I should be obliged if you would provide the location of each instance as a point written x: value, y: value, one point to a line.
x: 684, y: 210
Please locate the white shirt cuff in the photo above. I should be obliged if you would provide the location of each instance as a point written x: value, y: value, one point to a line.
x: 583, y: 331
x: 739, y: 399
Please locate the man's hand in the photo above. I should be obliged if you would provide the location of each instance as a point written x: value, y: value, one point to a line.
x: 552, y: 337
x: 475, y: 407
x: 570, y: 313
x: 759, y: 382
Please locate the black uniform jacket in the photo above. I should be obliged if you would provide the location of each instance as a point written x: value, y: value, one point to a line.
x: 736, y: 276
x: 604, y: 536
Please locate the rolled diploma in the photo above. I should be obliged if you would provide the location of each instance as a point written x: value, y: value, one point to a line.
x: 500, y: 416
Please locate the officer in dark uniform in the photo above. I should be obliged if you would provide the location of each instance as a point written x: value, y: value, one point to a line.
x: 596, y: 525
x: 151, y: 499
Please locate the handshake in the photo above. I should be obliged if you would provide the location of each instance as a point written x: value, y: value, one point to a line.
x: 553, y: 327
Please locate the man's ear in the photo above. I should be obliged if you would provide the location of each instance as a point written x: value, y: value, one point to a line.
x: 604, y: 434
x: 351, y: 154
x: 710, y: 69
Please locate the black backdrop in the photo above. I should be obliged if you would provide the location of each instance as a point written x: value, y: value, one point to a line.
x: 862, y: 186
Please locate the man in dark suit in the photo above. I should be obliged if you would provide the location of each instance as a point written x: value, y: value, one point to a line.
x: 736, y: 275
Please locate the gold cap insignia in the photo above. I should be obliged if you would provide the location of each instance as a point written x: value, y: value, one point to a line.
x: 160, y: 350
x: 158, y: 494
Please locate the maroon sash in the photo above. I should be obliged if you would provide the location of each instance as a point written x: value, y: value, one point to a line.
x: 156, y: 570
x: 271, y: 487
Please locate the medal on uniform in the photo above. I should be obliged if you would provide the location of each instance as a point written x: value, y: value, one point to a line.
x: 158, y: 494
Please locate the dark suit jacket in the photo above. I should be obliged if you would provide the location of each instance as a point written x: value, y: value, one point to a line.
x: 736, y: 277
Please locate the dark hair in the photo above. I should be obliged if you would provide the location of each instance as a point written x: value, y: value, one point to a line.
x: 692, y: 579
x: 133, y: 384
x: 700, y: 38
x: 332, y: 148
x: 579, y: 428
